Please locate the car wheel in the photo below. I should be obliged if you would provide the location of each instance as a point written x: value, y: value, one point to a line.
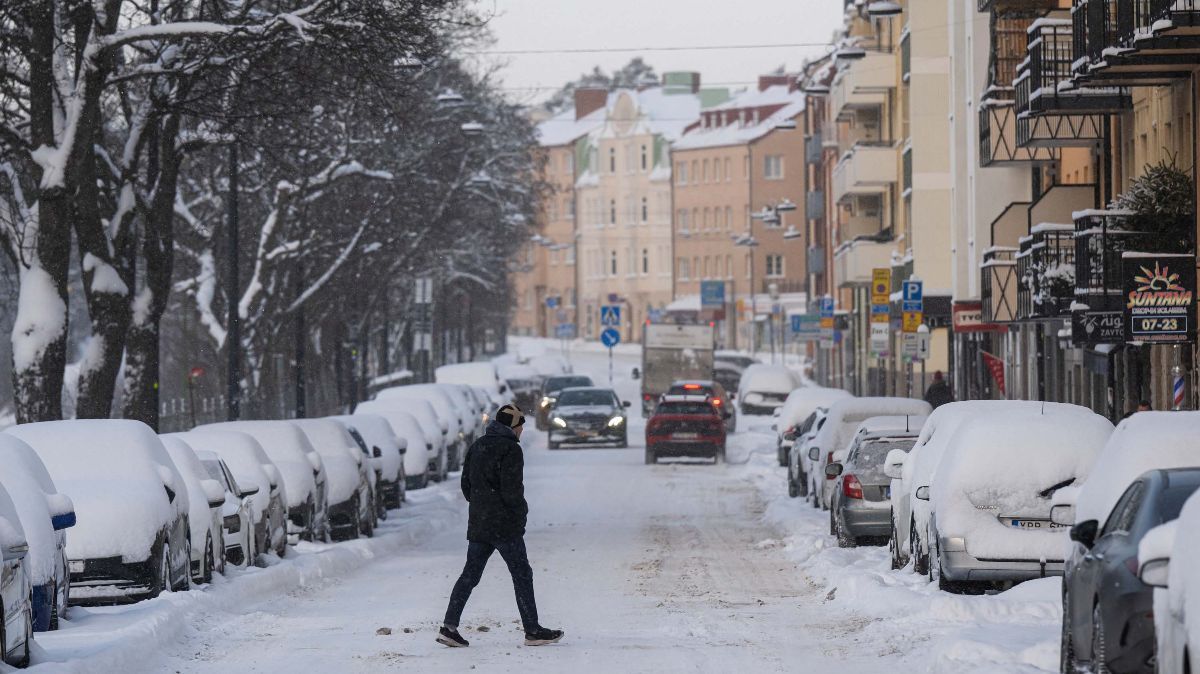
x: 920, y: 561
x: 845, y: 540
x: 551, y: 444
x: 54, y: 609
x: 186, y: 583
x: 782, y: 456
x: 1066, y: 645
x: 793, y: 488
x: 894, y: 548
x: 1099, y: 647
x: 624, y: 441
x: 161, y: 582
x: 24, y: 661
x: 720, y: 458
x: 206, y: 572
x: 650, y: 458
x: 833, y: 530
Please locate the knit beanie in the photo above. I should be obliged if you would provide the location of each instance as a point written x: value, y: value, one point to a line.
x: 510, y: 416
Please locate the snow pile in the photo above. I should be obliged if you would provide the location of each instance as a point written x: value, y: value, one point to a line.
x: 114, y: 471
x: 376, y: 432
x: 517, y: 372
x: 331, y: 441
x: 1009, y: 465
x: 407, y: 427
x: 287, y: 448
x: 244, y: 457
x: 26, y: 481
x: 1144, y: 441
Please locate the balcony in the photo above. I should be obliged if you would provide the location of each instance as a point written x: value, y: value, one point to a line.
x: 865, y: 169
x: 1015, y: 5
x: 1051, y: 269
x: 1135, y: 42
x: 998, y: 287
x: 863, y: 83
x: 998, y: 133
x: 1100, y: 238
x: 855, y: 260
x: 1049, y: 87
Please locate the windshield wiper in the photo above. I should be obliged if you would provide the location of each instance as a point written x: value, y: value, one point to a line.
x: 1045, y: 493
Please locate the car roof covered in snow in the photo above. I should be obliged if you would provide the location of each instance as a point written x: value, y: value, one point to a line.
x: 1142, y: 442
x: 805, y: 400
x: 243, y: 456
x: 903, y: 424
x: 844, y: 417
x: 761, y: 377
x: 36, y: 501
x: 290, y: 451
x: 377, y: 432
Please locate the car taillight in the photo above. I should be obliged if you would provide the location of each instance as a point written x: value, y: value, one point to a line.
x: 646, y: 397
x: 829, y: 460
x: 691, y: 387
x: 851, y: 487
x: 716, y: 402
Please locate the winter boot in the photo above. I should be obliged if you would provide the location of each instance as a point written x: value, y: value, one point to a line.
x: 542, y: 636
x: 449, y: 636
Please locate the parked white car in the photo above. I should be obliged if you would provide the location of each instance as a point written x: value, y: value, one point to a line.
x: 763, y: 388
x: 841, y: 423
x: 1167, y: 560
x: 252, y: 468
x: 386, y: 445
x: 799, y: 404
x: 432, y: 429
x: 452, y: 418
x: 45, y: 515
x: 205, y: 498
x: 349, y: 491
x: 470, y: 409
x: 990, y: 500
x: 131, y: 538
x: 407, y: 428
x: 798, y: 481
x: 481, y: 374
x: 237, y: 513
x: 16, y: 609
x: 305, y: 481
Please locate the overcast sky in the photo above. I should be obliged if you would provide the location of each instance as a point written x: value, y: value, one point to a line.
x: 610, y: 24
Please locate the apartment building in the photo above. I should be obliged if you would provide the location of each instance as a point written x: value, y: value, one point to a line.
x: 738, y: 213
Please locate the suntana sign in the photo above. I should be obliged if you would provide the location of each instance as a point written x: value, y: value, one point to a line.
x: 1160, y: 297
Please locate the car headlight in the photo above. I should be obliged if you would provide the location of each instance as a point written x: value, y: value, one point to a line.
x: 547, y: 401
x: 616, y: 421
x: 560, y: 422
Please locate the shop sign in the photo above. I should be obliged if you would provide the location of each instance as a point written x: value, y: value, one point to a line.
x: 1160, y: 297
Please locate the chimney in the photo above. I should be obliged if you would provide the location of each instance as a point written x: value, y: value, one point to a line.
x: 765, y: 81
x: 589, y: 100
x: 681, y: 83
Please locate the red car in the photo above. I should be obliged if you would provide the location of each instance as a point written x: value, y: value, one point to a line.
x: 685, y: 425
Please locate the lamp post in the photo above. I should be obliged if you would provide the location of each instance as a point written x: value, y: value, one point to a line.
x: 233, y: 334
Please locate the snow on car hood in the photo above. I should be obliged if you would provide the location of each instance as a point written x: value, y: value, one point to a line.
x: 376, y: 432
x: 287, y: 448
x: 1009, y: 465
x: 416, y: 457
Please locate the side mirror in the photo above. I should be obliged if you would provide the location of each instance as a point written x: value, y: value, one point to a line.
x: 214, y: 492
x: 1155, y: 572
x: 17, y: 550
x: 315, y: 461
x: 790, y: 434
x: 923, y: 493
x: 893, y: 465
x: 814, y: 454
x: 63, y: 521
x: 833, y: 470
x: 272, y: 473
x: 626, y: 403
x: 1084, y: 533
x: 248, y: 491
x: 376, y: 451
x: 1062, y: 514
x: 503, y: 388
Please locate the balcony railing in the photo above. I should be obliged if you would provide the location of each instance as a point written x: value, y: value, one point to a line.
x: 855, y: 260
x: 1135, y: 41
x: 1025, y: 282
x: 998, y: 132
x: 1100, y: 238
x: 1045, y: 83
x: 1013, y: 5
x: 1051, y: 268
x: 998, y: 288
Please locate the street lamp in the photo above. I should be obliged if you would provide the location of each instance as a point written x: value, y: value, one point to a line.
x: 449, y: 98
x: 850, y: 53
x: 785, y: 206
x: 472, y: 129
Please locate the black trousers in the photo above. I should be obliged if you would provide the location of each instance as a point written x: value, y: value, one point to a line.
x: 512, y: 550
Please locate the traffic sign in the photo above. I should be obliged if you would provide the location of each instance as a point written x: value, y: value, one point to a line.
x: 881, y: 291
x: 913, y: 307
x: 610, y: 337
x: 910, y: 345
x: 913, y: 291
x: 880, y: 339
x: 551, y: 302
x: 610, y: 314
x: 565, y: 331
x: 806, y: 327
x: 912, y: 321
x: 712, y: 294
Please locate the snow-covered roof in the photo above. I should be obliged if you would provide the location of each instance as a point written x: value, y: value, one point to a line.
x: 563, y: 128
x: 737, y: 134
x: 777, y: 94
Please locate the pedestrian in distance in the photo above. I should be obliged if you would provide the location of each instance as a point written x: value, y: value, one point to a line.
x: 939, y: 392
x: 493, y: 483
x: 1143, y: 406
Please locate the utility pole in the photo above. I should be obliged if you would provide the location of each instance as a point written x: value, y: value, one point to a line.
x: 233, y: 335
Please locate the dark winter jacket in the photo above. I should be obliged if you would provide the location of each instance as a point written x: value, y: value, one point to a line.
x: 939, y: 394
x: 493, y: 482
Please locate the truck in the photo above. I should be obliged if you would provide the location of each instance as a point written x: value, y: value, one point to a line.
x: 671, y: 352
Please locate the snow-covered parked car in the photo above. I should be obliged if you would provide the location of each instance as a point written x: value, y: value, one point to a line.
x: 525, y: 383
x: 418, y: 426
x: 16, y: 609
x: 205, y: 498
x: 474, y: 411
x: 131, y: 538
x: 805, y: 432
x: 481, y: 374
x: 763, y: 388
x: 45, y: 515
x: 349, y: 494
x: 860, y: 507
x: 1147, y: 441
x: 796, y: 408
x: 305, y: 482
x: 838, y: 430
x: 386, y: 445
x: 991, y: 498
x: 252, y: 468
x: 237, y: 513
x: 452, y: 417
x: 910, y: 516
x: 1167, y: 561
x: 1108, y: 611
x: 548, y: 365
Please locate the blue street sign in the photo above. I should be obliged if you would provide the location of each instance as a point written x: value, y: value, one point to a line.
x: 913, y: 291
x: 610, y: 315
x: 565, y: 331
x: 712, y: 294
x: 655, y: 315
x: 551, y: 302
x: 806, y: 326
x: 826, y: 307
x: 610, y: 337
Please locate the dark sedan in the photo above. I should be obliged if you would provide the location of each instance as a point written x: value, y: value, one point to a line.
x: 550, y: 388
x: 1108, y: 612
x: 588, y: 415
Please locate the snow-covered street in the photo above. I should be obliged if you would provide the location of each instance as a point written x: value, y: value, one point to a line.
x: 674, y: 567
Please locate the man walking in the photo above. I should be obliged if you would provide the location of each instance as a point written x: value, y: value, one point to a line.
x: 493, y: 482
x: 939, y: 392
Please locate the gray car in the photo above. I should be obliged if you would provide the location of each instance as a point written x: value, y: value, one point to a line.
x: 861, y: 504
x: 1108, y: 612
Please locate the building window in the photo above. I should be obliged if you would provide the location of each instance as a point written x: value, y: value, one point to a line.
x: 553, y: 208
x: 774, y: 266
x: 570, y: 255
x: 612, y: 160
x: 612, y: 211
x: 645, y: 209
x: 695, y: 170
x: 728, y: 218
x: 683, y: 269
x: 613, y: 264
x: 553, y: 257
x: 645, y: 159
x: 716, y: 170
x: 645, y: 261
x: 707, y: 212
x: 728, y: 172
x: 568, y: 163
x: 717, y: 266
x: 570, y: 207
x: 682, y: 173
x: 729, y: 266
x: 707, y: 267
x: 704, y: 171
x: 683, y: 220
x: 696, y: 265
x: 773, y: 167
x: 748, y: 261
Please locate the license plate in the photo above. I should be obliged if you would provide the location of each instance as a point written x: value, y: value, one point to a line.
x: 1027, y: 523
x: 75, y: 566
x: 684, y: 436
x: 586, y: 434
